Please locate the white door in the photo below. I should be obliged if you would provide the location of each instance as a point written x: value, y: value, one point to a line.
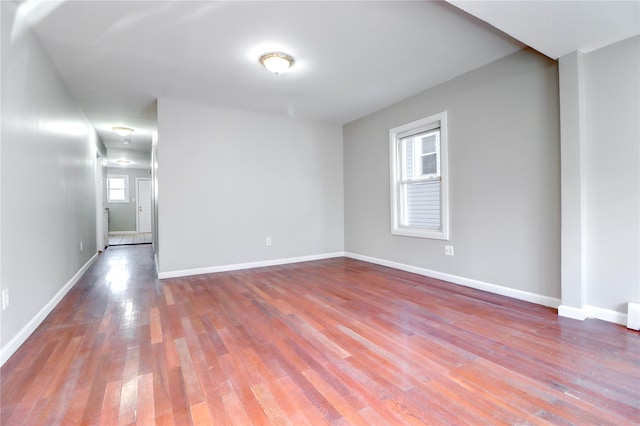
x: 144, y: 204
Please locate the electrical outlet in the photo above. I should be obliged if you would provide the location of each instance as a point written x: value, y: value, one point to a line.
x: 81, y: 248
x: 267, y: 241
x: 5, y: 299
x: 448, y: 250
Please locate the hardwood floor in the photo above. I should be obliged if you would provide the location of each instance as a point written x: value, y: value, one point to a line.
x: 329, y: 342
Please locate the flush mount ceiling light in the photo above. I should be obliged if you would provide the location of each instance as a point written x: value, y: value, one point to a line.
x: 277, y: 62
x: 123, y: 131
x: 123, y: 161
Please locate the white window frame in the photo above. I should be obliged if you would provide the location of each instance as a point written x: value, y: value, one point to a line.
x: 126, y: 189
x: 395, y: 136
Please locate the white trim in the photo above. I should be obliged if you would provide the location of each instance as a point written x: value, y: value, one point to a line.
x: 26, y: 331
x: 606, y: 315
x: 572, y: 312
x: 633, y: 316
x: 127, y: 232
x: 588, y: 311
x: 467, y: 282
x: 249, y: 265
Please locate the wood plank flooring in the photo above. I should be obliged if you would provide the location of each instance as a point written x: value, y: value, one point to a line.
x: 335, y: 342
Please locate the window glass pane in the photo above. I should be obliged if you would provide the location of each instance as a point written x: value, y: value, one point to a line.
x: 429, y: 144
x: 116, y: 194
x: 430, y: 164
x: 117, y: 189
x: 116, y: 183
x: 422, y: 208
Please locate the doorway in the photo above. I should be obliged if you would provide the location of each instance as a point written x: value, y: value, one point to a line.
x: 129, y: 213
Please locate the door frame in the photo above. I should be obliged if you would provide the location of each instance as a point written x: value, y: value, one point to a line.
x: 102, y: 231
x: 137, y: 205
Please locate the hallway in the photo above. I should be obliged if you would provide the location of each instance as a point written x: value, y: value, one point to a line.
x: 335, y: 341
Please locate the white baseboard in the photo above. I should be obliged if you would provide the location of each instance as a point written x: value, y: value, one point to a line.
x: 633, y: 315
x: 123, y: 232
x: 26, y: 331
x: 588, y: 311
x: 567, y: 311
x: 249, y: 265
x: 467, y: 282
x: 606, y: 315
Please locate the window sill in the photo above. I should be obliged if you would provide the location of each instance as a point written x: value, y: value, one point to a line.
x: 421, y: 233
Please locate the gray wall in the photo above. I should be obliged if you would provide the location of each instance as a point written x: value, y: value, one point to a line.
x: 122, y: 216
x: 227, y: 179
x: 504, y: 177
x: 612, y: 170
x: 47, y: 179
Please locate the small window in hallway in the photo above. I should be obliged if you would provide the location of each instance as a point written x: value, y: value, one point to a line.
x: 118, y: 188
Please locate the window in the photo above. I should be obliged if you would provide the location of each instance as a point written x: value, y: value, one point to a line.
x: 419, y: 185
x: 118, y: 188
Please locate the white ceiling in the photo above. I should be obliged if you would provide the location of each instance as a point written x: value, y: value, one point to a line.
x: 556, y: 27
x: 352, y: 58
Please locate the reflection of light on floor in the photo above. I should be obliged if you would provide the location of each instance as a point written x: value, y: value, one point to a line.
x: 128, y: 315
x: 118, y: 276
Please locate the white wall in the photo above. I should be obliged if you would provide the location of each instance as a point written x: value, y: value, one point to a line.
x: 227, y: 179
x: 48, y: 189
x: 504, y: 179
x: 612, y: 185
